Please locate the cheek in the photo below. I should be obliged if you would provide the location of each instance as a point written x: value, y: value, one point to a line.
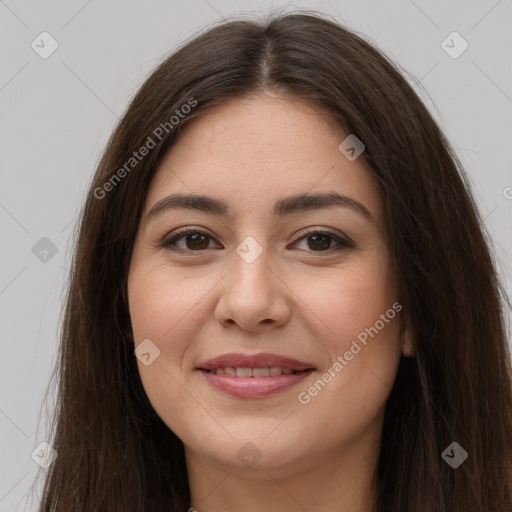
x: 166, y: 307
x: 163, y: 300
x: 357, y: 319
x: 348, y: 301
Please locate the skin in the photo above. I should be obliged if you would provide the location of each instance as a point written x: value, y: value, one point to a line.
x: 294, y: 300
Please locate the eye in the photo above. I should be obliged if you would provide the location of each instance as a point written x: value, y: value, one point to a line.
x: 320, y: 241
x: 194, y: 239
x: 197, y: 241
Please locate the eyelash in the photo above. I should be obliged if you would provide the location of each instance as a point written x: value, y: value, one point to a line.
x: 169, y: 243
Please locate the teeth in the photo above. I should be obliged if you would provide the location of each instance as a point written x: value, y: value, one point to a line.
x: 244, y: 372
x: 260, y: 372
x: 253, y: 372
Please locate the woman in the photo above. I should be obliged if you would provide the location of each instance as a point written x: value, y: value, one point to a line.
x: 281, y: 297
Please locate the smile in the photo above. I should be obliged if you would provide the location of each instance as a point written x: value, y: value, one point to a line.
x: 245, y: 382
x: 271, y: 371
x: 254, y: 375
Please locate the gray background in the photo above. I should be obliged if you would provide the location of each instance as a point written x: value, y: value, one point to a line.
x: 57, y: 114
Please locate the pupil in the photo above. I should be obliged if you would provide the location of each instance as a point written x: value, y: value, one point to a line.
x: 196, y: 240
x: 324, y: 245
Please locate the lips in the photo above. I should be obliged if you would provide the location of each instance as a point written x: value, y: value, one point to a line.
x: 256, y: 376
x: 263, y: 360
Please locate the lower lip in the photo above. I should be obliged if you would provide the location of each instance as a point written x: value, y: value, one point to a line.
x: 254, y: 387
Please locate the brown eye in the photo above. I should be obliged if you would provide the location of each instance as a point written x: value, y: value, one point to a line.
x: 194, y: 241
x: 198, y: 241
x: 320, y: 241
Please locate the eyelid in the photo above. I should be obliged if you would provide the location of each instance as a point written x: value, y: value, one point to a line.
x: 181, y: 232
x: 342, y: 240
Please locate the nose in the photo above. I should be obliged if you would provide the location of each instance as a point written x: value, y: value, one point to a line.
x: 253, y: 296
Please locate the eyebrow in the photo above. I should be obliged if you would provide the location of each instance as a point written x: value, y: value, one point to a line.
x: 284, y: 206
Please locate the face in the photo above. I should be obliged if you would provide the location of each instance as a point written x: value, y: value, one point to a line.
x: 250, y: 272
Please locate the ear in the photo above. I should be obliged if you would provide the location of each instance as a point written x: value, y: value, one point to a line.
x: 408, y: 348
x: 128, y: 333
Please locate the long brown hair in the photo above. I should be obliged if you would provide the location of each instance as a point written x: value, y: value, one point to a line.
x: 116, y: 454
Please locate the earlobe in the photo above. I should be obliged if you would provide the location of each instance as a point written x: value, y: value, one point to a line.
x: 128, y: 334
x: 407, y: 344
x: 406, y: 338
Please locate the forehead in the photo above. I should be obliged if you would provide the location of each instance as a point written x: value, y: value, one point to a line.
x: 260, y: 126
x: 253, y: 150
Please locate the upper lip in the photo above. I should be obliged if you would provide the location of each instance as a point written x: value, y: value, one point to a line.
x: 262, y: 360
